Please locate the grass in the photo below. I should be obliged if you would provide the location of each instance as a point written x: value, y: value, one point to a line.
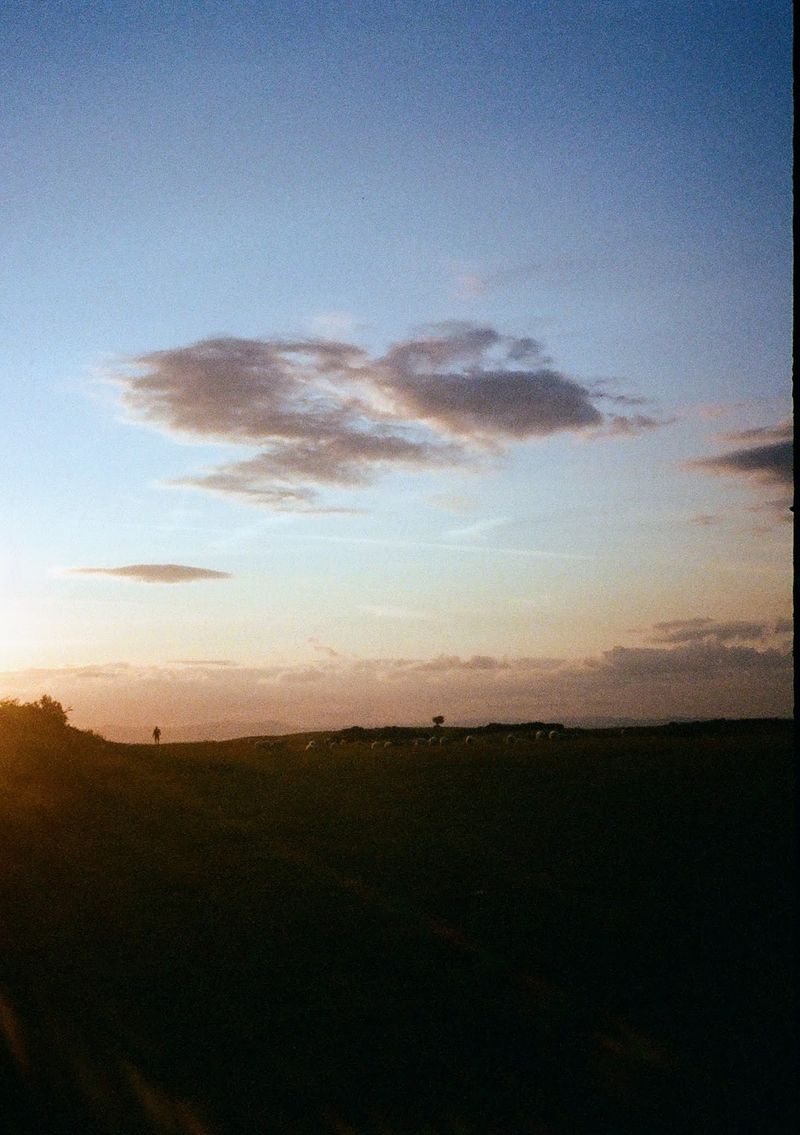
x: 588, y: 936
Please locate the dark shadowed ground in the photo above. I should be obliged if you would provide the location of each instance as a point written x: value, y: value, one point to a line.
x: 593, y: 935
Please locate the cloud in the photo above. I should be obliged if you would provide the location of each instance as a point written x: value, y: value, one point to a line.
x: 708, y: 630
x: 701, y: 668
x: 478, y: 530
x: 471, y: 285
x: 323, y: 648
x: 705, y: 520
x: 453, y: 664
x: 458, y: 503
x: 343, y: 461
x: 333, y: 323
x: 781, y: 432
x: 241, y: 480
x: 763, y: 466
x: 153, y: 573
x: 474, y: 285
x: 629, y: 425
x: 473, y: 383
x: 766, y: 464
x: 770, y: 463
x: 320, y: 415
x: 691, y: 660
x: 441, y: 545
x: 600, y: 390
x: 775, y: 510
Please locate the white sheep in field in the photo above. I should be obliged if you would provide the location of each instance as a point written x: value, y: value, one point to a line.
x: 264, y: 743
x: 374, y: 744
x: 431, y: 740
x: 553, y: 735
x: 511, y: 739
x: 469, y: 739
x: 311, y: 745
x: 387, y: 744
x: 540, y: 734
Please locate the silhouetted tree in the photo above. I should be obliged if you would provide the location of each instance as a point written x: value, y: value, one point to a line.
x: 437, y: 721
x: 46, y: 712
x: 52, y: 711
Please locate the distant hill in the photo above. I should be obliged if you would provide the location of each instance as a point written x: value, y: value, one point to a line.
x: 587, y: 722
x: 195, y: 731
x: 233, y: 730
x: 620, y: 722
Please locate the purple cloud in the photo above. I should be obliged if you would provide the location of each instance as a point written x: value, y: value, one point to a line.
x: 681, y: 677
x: 320, y: 414
x: 767, y: 464
x: 708, y: 630
x: 770, y: 463
x: 153, y: 573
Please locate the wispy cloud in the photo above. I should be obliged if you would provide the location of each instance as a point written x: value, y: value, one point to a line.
x: 773, y: 510
x: 782, y: 431
x: 628, y: 425
x: 766, y: 464
x: 769, y: 463
x: 323, y: 648
x: 322, y: 415
x: 152, y: 573
x: 333, y: 324
x: 713, y: 631
x: 471, y: 284
x: 478, y: 530
x: 441, y: 545
x: 458, y: 503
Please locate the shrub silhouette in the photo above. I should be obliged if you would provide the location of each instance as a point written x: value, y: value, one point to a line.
x: 46, y: 713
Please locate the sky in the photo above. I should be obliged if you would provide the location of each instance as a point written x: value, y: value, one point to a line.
x: 362, y: 362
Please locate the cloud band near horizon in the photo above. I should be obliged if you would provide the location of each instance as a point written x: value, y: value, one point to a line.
x: 695, y: 667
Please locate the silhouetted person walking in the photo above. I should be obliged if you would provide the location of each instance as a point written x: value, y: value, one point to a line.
x: 156, y: 736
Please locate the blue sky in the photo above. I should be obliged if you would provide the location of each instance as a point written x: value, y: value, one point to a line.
x: 611, y: 180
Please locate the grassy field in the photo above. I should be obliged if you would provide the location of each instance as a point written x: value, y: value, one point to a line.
x: 590, y: 935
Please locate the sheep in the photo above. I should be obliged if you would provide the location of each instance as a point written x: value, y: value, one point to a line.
x: 511, y: 739
x: 264, y: 743
x: 374, y: 744
x: 387, y: 744
x: 431, y: 740
x: 539, y: 735
x: 553, y: 735
x: 469, y: 739
x: 311, y: 745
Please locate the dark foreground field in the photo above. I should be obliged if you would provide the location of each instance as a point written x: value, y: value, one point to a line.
x: 589, y: 936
